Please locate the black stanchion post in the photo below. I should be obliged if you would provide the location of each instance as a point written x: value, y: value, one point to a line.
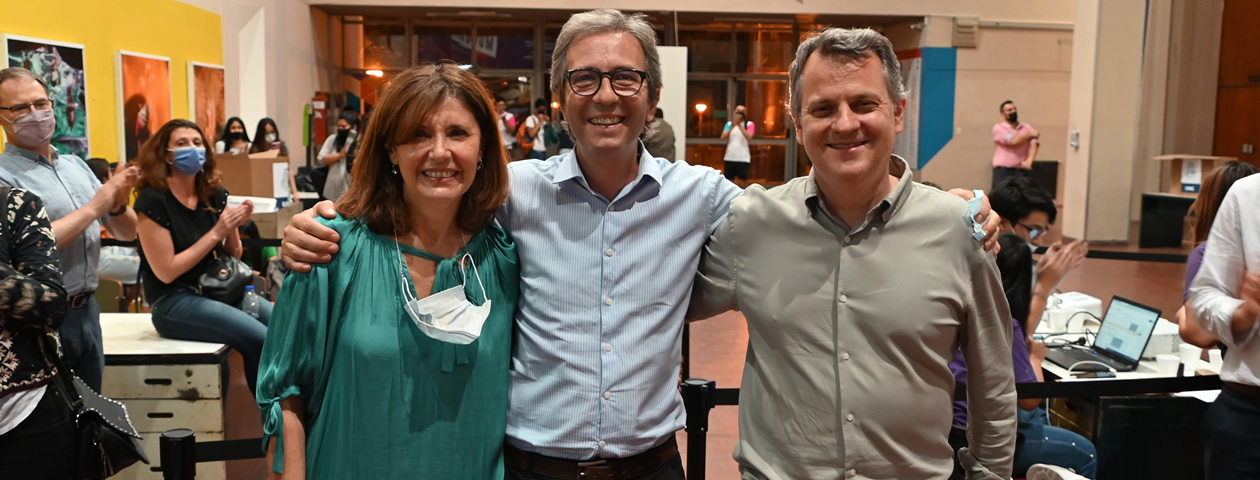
x: 177, y: 450
x: 697, y: 396
x: 686, y: 351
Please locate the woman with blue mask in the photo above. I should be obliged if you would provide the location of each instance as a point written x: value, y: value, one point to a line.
x: 184, y: 222
x: 392, y: 360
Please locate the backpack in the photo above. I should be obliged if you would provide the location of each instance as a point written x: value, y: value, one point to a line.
x: 523, y: 140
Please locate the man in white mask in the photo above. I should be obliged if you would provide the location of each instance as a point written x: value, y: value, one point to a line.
x: 78, y: 204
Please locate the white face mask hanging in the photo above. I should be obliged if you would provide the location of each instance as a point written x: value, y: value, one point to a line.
x: 447, y: 316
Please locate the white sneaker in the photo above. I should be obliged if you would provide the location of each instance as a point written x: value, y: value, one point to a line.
x: 1051, y: 472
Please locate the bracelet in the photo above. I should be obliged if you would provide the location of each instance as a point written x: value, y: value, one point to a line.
x: 120, y: 211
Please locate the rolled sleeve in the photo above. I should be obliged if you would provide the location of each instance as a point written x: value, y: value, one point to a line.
x: 991, y: 390
x: 1212, y: 294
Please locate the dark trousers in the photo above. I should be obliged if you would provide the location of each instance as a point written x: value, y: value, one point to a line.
x: 672, y: 470
x: 1001, y: 174
x: 1231, y: 437
x: 733, y: 170
x: 82, y: 343
x: 42, y: 445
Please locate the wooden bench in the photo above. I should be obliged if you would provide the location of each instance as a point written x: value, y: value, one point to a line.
x: 176, y: 384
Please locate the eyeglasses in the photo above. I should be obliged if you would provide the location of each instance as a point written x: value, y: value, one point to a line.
x: 1034, y: 230
x: 25, y: 108
x: 625, y: 82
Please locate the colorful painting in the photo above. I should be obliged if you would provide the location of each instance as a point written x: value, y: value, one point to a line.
x: 206, y: 98
x: 61, y: 67
x: 144, y: 95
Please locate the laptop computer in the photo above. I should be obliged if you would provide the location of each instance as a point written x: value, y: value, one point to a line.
x: 1125, y: 331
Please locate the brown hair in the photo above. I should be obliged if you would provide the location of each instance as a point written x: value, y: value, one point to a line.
x: 376, y: 193
x: 154, y: 168
x: 1215, y: 185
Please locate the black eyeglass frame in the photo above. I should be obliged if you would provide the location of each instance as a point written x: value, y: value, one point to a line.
x: 643, y: 77
x: 33, y: 106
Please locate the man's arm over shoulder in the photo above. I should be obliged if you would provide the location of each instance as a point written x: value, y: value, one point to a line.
x: 1213, y: 293
x: 986, y: 337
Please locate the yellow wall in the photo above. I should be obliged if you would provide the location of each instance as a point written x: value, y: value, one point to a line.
x: 165, y: 28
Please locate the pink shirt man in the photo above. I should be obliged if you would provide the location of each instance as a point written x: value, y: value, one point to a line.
x: 1005, y: 154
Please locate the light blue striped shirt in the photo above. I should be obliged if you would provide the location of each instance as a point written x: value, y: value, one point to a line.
x: 604, y: 287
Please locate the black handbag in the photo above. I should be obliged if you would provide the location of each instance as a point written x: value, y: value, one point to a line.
x: 105, y: 439
x: 224, y: 279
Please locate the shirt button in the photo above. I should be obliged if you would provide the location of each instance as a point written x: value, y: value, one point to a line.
x: 602, y: 444
x: 608, y: 301
x: 607, y: 395
x: 847, y: 240
x: 608, y: 252
x: 607, y: 347
x: 849, y: 417
x: 844, y: 356
x: 850, y: 473
x: 843, y: 298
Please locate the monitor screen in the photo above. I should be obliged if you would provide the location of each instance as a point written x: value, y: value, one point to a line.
x: 1126, y: 329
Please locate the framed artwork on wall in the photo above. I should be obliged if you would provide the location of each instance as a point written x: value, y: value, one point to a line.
x: 144, y: 99
x: 206, y: 98
x: 61, y: 67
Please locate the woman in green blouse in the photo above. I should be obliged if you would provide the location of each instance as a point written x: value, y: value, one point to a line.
x: 392, y: 361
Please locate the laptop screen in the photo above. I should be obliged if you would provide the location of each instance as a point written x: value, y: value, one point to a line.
x: 1126, y: 329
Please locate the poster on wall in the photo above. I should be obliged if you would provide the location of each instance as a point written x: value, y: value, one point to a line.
x: 144, y: 94
x: 61, y: 66
x: 206, y: 98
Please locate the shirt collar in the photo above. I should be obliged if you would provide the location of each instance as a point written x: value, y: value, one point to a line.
x: 29, y: 154
x: 890, y: 205
x: 569, y: 168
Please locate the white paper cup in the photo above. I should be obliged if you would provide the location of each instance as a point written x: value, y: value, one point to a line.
x: 1189, y: 357
x: 1167, y: 364
x: 1215, y: 359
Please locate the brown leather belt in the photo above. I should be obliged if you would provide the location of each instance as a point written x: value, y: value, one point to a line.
x: 1249, y: 391
x: 597, y: 469
x: 81, y: 300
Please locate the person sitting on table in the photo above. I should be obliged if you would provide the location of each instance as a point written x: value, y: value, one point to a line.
x: 1029, y: 211
x: 184, y: 220
x: 1042, y: 442
x: 392, y: 360
x: 1215, y: 185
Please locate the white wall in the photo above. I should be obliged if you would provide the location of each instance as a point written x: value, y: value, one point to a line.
x: 674, y: 95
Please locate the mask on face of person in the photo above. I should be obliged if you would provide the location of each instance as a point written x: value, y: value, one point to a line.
x: 271, y: 138
x: 188, y: 160
x: 34, y: 129
x: 1012, y: 117
x: 447, y: 316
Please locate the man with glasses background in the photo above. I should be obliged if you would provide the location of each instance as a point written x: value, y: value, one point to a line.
x: 1028, y: 211
x: 77, y: 204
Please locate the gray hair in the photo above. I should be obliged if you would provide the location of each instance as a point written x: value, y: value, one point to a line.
x: 853, y: 46
x: 19, y: 72
x: 606, y: 20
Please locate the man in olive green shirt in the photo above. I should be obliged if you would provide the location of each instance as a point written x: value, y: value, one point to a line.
x: 858, y: 287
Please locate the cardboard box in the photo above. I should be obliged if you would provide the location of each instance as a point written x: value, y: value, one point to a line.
x: 271, y: 225
x: 254, y: 176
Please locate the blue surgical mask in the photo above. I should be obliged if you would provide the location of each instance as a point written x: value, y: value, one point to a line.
x: 188, y: 160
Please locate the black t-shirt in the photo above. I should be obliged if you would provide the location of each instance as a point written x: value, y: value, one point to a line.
x: 186, y: 228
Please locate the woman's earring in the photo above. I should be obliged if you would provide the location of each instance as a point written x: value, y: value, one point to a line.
x: 395, y: 169
x: 479, y: 164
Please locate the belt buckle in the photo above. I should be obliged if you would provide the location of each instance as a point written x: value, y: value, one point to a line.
x: 594, y: 469
x: 78, y: 301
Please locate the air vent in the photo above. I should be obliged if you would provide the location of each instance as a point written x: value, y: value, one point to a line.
x: 966, y: 30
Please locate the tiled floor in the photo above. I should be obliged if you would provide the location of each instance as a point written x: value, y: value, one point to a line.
x: 719, y: 344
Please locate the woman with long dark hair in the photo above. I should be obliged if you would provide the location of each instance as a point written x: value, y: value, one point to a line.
x: 333, y: 154
x: 267, y: 138
x: 233, y: 139
x: 184, y: 223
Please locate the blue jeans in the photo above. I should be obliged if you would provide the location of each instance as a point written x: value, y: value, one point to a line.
x: 82, y: 343
x: 184, y: 315
x: 1044, y: 443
